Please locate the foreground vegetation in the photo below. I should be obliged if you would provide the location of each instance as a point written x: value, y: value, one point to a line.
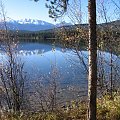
x: 107, y: 109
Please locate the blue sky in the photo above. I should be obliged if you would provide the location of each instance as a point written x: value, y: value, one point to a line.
x: 20, y: 9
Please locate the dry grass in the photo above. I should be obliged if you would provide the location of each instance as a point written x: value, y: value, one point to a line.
x: 107, y: 109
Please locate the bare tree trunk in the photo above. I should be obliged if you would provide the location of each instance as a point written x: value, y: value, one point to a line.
x: 111, y: 74
x: 92, y: 78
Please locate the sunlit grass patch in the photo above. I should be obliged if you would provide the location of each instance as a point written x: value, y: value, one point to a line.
x: 108, y: 109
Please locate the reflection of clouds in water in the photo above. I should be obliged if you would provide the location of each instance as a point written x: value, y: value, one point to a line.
x: 2, y: 53
x: 40, y: 57
x: 29, y: 53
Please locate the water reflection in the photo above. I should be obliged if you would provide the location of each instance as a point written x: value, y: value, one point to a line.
x: 39, y: 58
x: 29, y: 52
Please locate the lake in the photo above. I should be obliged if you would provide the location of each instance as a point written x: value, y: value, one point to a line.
x: 42, y: 59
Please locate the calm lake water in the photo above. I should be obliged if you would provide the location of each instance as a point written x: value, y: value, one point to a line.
x: 41, y: 59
